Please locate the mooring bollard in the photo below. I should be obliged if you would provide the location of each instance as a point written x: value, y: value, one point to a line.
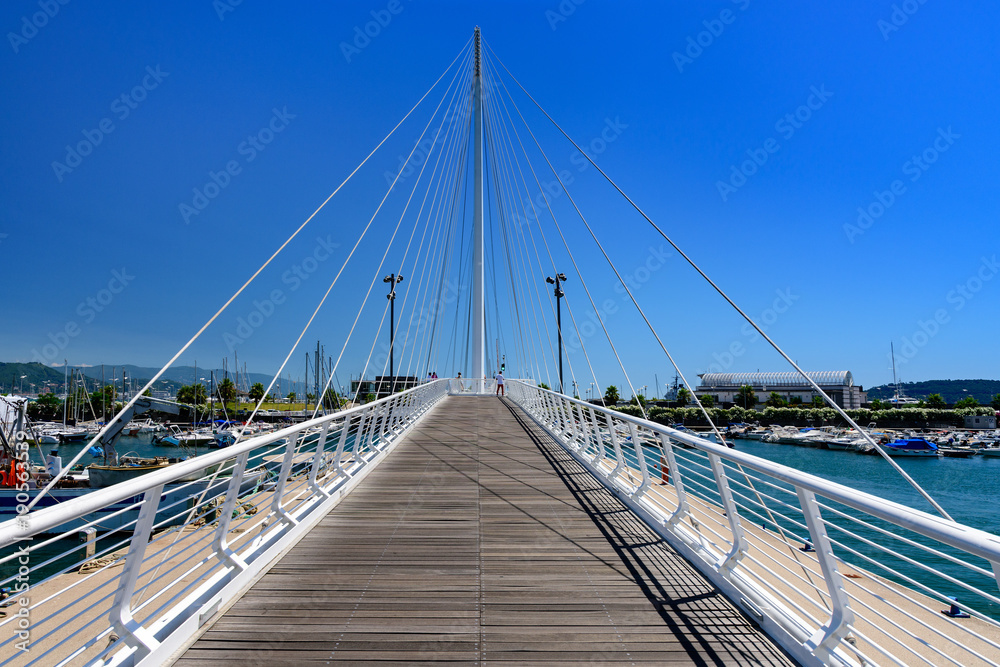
x: 954, y: 611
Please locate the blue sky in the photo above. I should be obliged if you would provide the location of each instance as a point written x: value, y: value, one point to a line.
x: 752, y: 133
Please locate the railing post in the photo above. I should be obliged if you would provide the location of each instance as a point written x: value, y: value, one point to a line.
x: 641, y: 456
x: 598, y: 440
x: 219, y: 542
x: 344, y: 432
x: 568, y: 429
x: 362, y: 434
x: 827, y: 637
x: 121, y: 609
x: 283, y: 475
x: 617, y: 446
x: 683, y: 506
x: 732, y: 559
x: 318, y: 460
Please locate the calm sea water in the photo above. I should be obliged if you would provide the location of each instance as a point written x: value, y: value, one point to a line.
x: 968, y: 489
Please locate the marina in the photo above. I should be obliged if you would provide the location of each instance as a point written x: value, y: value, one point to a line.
x: 339, y: 339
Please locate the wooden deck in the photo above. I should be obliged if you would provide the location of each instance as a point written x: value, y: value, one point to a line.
x: 479, y: 540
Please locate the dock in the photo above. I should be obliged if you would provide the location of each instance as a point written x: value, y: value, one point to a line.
x: 481, y: 540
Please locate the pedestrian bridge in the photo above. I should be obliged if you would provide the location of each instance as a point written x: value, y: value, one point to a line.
x: 442, y: 524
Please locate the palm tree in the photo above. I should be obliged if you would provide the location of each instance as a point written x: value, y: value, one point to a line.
x: 227, y: 390
x: 611, y: 395
x: 257, y: 391
x: 746, y: 397
x: 775, y: 400
x: 683, y: 397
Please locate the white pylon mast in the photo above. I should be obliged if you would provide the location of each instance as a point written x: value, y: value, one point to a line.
x: 478, y: 274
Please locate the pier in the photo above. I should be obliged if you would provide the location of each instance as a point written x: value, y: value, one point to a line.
x: 479, y: 540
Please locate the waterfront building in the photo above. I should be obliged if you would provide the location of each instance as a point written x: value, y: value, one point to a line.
x: 724, y: 388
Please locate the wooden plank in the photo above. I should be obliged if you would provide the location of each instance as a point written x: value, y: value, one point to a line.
x: 480, y: 540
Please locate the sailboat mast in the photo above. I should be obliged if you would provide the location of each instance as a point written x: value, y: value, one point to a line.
x: 892, y: 353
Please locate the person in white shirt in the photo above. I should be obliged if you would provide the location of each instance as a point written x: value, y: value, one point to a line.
x: 500, y: 384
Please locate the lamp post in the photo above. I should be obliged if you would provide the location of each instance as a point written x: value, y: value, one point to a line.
x: 393, y: 280
x: 559, y: 295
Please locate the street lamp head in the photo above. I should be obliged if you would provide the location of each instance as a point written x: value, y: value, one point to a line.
x: 387, y: 279
x: 550, y: 281
x: 561, y: 276
x: 399, y: 279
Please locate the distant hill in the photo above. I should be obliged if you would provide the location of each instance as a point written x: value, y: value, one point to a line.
x: 950, y: 390
x: 42, y: 376
x: 186, y: 375
x: 35, y: 373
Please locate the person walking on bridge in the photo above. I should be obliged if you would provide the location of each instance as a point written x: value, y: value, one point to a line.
x: 500, y: 384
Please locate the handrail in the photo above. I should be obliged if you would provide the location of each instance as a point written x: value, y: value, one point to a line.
x: 802, y: 579
x: 213, y: 536
x: 976, y: 541
x: 41, y: 521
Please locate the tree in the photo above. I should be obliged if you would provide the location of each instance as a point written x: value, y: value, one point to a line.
x: 192, y: 394
x: 257, y: 391
x: 310, y: 398
x: 330, y: 399
x: 876, y: 404
x: 707, y: 401
x: 936, y: 401
x: 292, y: 396
x: 775, y: 400
x: 46, y: 408
x: 611, y: 395
x: 746, y: 397
x: 967, y: 402
x: 683, y: 397
x: 818, y: 401
x: 995, y: 402
x: 542, y: 385
x: 227, y: 390
x: 638, y: 400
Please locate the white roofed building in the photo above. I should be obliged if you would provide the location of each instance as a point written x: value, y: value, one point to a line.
x: 839, y: 385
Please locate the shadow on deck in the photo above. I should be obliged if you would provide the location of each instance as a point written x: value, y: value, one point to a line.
x: 480, y: 540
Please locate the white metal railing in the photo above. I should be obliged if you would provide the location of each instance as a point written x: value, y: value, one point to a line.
x: 834, y: 575
x: 166, y: 551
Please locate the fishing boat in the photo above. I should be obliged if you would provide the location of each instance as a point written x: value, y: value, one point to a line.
x: 179, y: 438
x: 911, y: 447
x: 129, y: 467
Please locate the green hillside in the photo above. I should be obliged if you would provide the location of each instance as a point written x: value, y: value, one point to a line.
x: 35, y: 373
x: 950, y: 390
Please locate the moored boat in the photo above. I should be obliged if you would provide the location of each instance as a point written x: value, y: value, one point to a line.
x: 911, y: 447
